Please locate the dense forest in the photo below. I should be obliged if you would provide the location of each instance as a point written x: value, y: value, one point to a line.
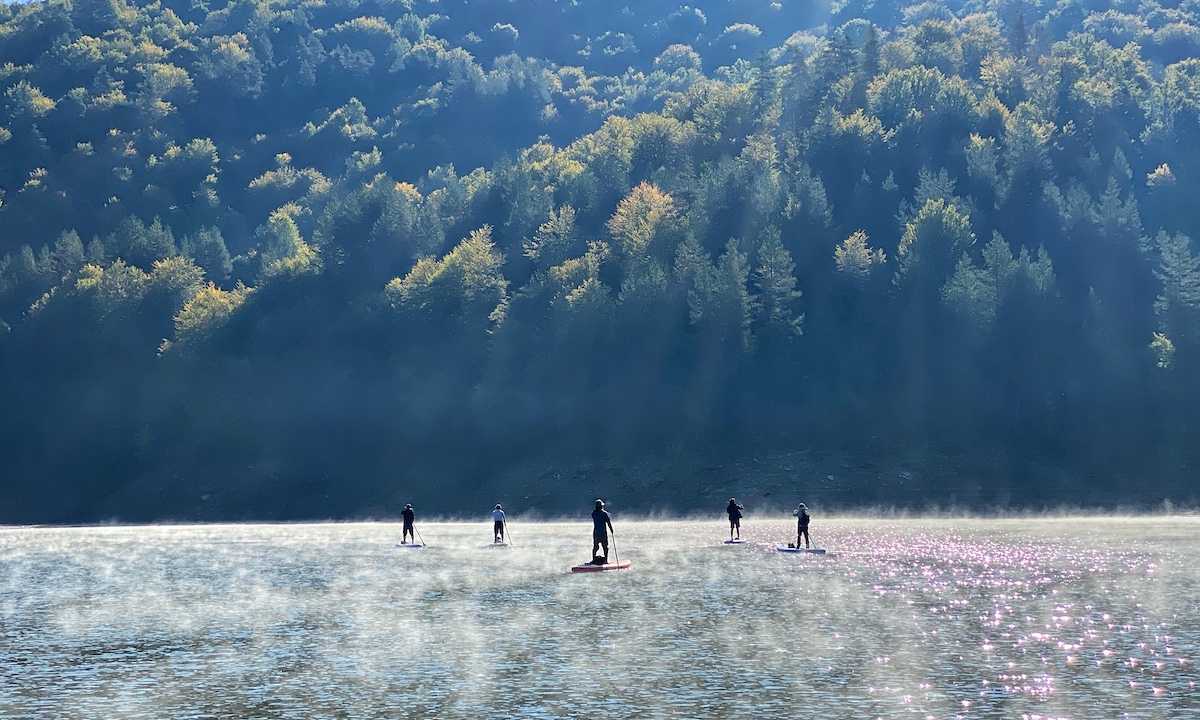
x: 316, y: 258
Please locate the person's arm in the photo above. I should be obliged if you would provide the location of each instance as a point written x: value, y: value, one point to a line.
x: 608, y: 519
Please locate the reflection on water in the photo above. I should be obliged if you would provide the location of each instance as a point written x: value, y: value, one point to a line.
x: 922, y: 619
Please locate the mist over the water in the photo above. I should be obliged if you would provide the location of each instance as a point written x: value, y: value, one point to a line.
x: 1063, y: 618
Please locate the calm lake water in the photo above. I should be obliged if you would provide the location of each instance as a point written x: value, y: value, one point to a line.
x: 1063, y: 618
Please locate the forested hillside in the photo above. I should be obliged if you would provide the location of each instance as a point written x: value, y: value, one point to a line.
x: 308, y: 258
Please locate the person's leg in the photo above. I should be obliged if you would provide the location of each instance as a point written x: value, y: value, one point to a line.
x: 595, y: 545
x: 738, y: 525
x: 731, y: 523
x: 604, y: 544
x: 807, y: 542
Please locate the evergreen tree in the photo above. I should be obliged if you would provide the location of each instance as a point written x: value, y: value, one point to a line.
x: 207, y: 247
x: 775, y: 278
x: 796, y: 94
x: 141, y: 245
x: 69, y: 254
x: 836, y: 60
x: 977, y: 293
x: 1018, y: 34
x: 721, y: 302
x: 1178, y: 304
x: 870, y: 64
x: 763, y: 85
x: 554, y: 240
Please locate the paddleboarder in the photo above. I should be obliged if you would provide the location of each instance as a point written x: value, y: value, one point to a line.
x: 409, y: 515
x: 498, y: 524
x: 735, y: 518
x: 802, y: 519
x: 601, y: 526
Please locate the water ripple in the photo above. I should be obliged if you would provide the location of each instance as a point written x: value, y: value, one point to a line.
x: 916, y: 619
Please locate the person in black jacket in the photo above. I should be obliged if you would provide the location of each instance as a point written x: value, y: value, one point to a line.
x: 409, y: 515
x: 735, y: 518
x: 802, y: 519
x: 601, y: 525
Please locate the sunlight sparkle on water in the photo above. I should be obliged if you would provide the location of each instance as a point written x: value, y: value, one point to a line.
x: 1045, y: 620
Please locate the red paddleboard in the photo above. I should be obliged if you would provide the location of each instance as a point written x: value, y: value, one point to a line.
x: 588, y: 567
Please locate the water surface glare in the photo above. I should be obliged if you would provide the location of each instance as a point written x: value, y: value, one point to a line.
x: 1063, y: 618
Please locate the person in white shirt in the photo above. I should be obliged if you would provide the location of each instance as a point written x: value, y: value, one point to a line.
x: 498, y: 524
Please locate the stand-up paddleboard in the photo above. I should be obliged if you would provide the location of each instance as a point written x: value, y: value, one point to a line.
x: 815, y: 551
x: 498, y: 545
x: 589, y: 567
x: 739, y: 541
x: 409, y: 545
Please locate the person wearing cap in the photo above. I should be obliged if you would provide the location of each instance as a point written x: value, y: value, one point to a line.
x: 802, y: 519
x: 498, y: 524
x: 409, y: 515
x: 601, y: 525
x: 735, y: 518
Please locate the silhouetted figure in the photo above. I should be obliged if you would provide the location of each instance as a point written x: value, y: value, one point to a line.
x: 409, y: 515
x: 735, y: 518
x: 601, y: 525
x: 498, y: 524
x: 802, y: 519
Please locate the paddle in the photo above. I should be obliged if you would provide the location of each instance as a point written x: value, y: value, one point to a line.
x: 418, y: 532
x: 507, y: 534
x: 616, y: 557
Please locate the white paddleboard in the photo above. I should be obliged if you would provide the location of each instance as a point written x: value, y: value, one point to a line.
x: 735, y: 542
x: 409, y: 545
x: 497, y: 545
x: 615, y: 565
x: 815, y: 551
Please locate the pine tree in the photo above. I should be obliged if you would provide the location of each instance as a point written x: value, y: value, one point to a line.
x: 763, y: 85
x: 870, y: 63
x: 1018, y: 34
x: 1178, y: 303
x: 796, y: 93
x: 838, y: 59
x: 554, y: 239
x: 776, y: 281
x: 69, y: 254
x: 736, y: 300
x: 207, y: 248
